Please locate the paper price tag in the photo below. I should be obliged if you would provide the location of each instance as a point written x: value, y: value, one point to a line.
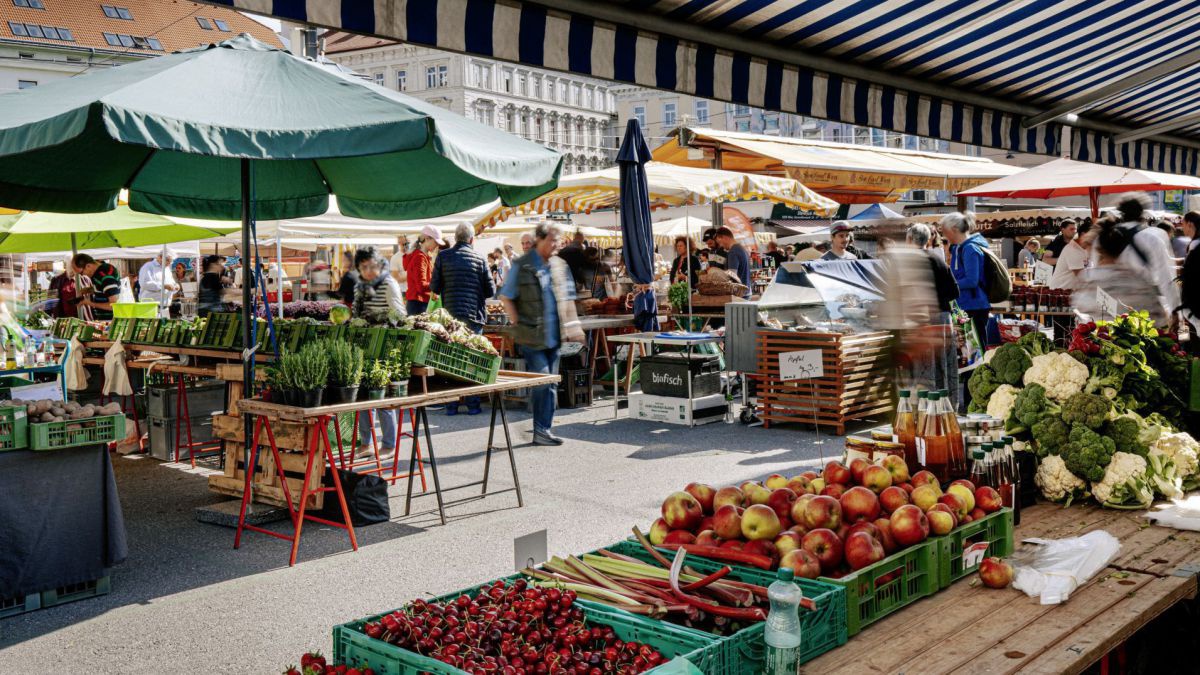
x: 1109, y: 307
x: 529, y: 550
x: 804, y: 364
x: 974, y: 554
x: 1042, y: 272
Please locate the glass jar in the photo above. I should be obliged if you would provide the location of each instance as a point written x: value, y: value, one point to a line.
x: 858, y: 447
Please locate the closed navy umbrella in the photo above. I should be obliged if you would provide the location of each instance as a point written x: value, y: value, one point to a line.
x: 637, y: 235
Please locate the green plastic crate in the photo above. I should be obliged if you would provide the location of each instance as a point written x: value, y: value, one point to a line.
x: 352, y: 647
x: 70, y: 433
x: 461, y: 363
x: 414, y: 342
x: 170, y: 332
x: 118, y: 329
x: 367, y: 338
x: 73, y: 592
x: 742, y: 653
x: 996, y: 529
x: 68, y: 327
x: 325, y: 331
x: 221, y: 329
x: 20, y: 605
x: 143, y: 331
x: 870, y: 598
x: 14, y: 428
x: 61, y: 327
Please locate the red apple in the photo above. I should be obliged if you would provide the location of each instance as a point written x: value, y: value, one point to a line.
x: 995, y: 573
x: 781, y: 501
x: 706, y: 523
x: 658, y: 531
x: 802, y: 563
x: 816, y: 485
x: 863, y: 526
x: 893, y: 498
x: 836, y: 490
x: 728, y: 495
x: 966, y: 519
x: 800, y: 485
x: 908, y: 487
x: 763, y: 547
x: 798, y: 529
x: 680, y: 537
x: 682, y: 511
x: 988, y: 499
x: 896, y: 466
x: 967, y: 495
x: 963, y: 482
x: 955, y: 502
x: 909, y: 525
x: 977, y: 513
x: 861, y: 550
x: 760, y: 522
x: 836, y: 472
x: 733, y: 544
x: 925, y: 478
x: 876, y: 478
x: 787, y: 541
x: 703, y: 494
x: 755, y: 493
x: 858, y: 465
x: 810, y: 475
x: 924, y: 496
x: 884, y: 527
x: 825, y: 546
x: 799, y: 506
x: 775, y: 481
x: 843, y: 530
x: 940, y: 522
x: 945, y: 509
x: 727, y: 523
x: 823, y: 512
x: 708, y: 538
x: 859, y: 503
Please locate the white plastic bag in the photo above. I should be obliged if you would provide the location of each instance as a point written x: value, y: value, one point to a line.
x: 1059, y: 566
x: 1182, y: 514
x: 126, y: 294
x: 73, y: 369
x: 116, y: 377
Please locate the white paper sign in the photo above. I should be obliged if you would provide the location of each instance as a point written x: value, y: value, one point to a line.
x: 804, y: 364
x: 1109, y: 307
x: 974, y: 554
x: 1042, y: 272
x: 529, y: 550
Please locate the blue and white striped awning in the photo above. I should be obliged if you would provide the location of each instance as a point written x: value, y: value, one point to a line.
x: 998, y: 73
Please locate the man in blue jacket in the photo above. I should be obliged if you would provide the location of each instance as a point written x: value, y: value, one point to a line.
x: 969, y: 267
x: 461, y: 278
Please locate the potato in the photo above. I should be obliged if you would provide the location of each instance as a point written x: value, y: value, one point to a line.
x: 72, y: 406
x: 31, y: 409
x: 46, y: 417
x: 57, y: 412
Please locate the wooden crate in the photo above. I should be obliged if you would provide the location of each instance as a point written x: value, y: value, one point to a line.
x: 856, y: 382
x: 290, y: 438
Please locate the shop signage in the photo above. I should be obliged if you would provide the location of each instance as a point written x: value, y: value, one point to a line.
x: 804, y: 364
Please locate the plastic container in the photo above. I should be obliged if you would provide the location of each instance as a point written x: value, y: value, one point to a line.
x: 367, y: 338
x: 889, y: 585
x: 667, y: 374
x: 414, y: 342
x: 14, y: 428
x: 781, y: 631
x: 20, y: 605
x: 73, y: 592
x: 71, y: 433
x: 995, y: 529
x: 118, y: 329
x: 146, y: 309
x: 220, y: 329
x: 462, y: 363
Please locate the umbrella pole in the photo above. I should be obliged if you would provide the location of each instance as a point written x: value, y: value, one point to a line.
x: 162, y: 284
x: 279, y: 273
x: 247, y: 317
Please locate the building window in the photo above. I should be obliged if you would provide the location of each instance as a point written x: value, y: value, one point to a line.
x: 126, y: 40
x: 430, y: 77
x: 402, y: 80
x: 575, y: 93
x: 33, y: 30
x: 112, y: 40
x: 771, y: 123
x: 31, y: 4
x: 114, y: 12
x: 639, y: 114
x: 154, y: 43
x: 743, y: 125
x: 537, y: 129
x: 562, y: 91
x: 668, y: 115
x: 25, y: 55
x: 506, y: 81
x: 702, y: 112
x: 741, y: 110
x: 443, y: 76
x: 221, y: 25
x: 520, y: 90
x: 203, y: 22
x: 379, y: 79
x: 26, y: 84
x: 17, y: 29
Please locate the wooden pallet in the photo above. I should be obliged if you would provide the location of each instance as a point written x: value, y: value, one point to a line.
x: 856, y: 382
x: 291, y: 439
x: 968, y: 628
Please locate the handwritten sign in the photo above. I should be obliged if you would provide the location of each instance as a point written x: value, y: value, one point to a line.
x: 974, y: 554
x: 804, y: 364
x: 1042, y: 272
x: 1109, y: 307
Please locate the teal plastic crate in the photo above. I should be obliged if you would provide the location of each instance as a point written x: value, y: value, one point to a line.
x: 352, y: 647
x: 20, y: 605
x: 462, y: 363
x: 889, y: 585
x: 14, y: 428
x: 742, y: 653
x: 72, y: 433
x: 996, y: 529
x: 73, y: 592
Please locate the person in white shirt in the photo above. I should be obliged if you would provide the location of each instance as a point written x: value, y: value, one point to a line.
x: 397, y: 263
x: 840, y: 237
x: 1147, y: 252
x: 155, y: 283
x: 1073, y: 260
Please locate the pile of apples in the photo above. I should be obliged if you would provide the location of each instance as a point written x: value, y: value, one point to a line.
x: 842, y: 520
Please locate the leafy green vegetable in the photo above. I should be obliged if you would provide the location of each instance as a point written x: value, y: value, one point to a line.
x: 1032, y: 404
x: 982, y: 383
x: 1125, y: 431
x: 1089, y: 410
x: 1050, y: 433
x: 1035, y: 343
x: 1010, y: 363
x: 1087, y: 453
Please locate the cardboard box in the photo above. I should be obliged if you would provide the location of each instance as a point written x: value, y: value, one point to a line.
x: 672, y: 410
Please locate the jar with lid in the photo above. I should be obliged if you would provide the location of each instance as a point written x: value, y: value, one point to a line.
x: 858, y: 447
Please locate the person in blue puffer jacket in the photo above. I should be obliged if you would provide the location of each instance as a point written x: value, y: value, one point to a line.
x: 461, y: 278
x: 969, y: 267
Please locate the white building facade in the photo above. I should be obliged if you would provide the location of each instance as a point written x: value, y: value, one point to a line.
x: 574, y: 115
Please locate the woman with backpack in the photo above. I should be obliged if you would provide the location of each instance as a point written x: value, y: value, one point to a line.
x: 968, y: 263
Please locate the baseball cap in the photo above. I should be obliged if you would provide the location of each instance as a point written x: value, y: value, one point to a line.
x: 431, y: 232
x: 840, y: 226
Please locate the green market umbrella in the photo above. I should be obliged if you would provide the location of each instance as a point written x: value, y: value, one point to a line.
x: 37, y: 232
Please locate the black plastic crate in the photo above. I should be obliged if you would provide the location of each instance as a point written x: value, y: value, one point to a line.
x: 203, y: 398
x: 575, y: 390
x: 162, y: 438
x: 667, y: 374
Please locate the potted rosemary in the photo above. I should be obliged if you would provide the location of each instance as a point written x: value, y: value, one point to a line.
x: 345, y: 371
x: 376, y: 378
x: 400, y: 369
x: 302, y: 375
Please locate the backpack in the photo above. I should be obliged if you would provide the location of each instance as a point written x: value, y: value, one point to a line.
x: 996, y: 281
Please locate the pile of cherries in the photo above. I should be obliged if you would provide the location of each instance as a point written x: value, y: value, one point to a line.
x: 513, y: 629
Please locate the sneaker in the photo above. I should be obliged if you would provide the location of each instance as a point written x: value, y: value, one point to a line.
x: 452, y: 409
x: 546, y: 438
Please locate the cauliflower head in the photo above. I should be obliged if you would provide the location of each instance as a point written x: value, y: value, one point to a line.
x: 1055, y: 481
x: 1125, y: 483
x: 1060, y: 373
x: 1163, y: 475
x: 1002, y: 401
x: 1183, y: 450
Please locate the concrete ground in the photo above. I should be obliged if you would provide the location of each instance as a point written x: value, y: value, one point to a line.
x: 185, y: 600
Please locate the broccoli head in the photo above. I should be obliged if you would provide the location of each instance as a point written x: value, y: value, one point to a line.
x: 1103, y: 375
x: 1036, y: 343
x: 1089, y: 410
x: 1126, y: 433
x: 974, y: 408
x: 1049, y: 434
x: 1032, y: 405
x: 1087, y: 453
x: 1010, y: 363
x: 982, y: 383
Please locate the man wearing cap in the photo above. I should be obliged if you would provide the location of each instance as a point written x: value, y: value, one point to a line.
x: 737, y: 259
x: 418, y: 267
x: 839, y: 241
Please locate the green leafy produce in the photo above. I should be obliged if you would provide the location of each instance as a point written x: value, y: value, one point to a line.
x: 1032, y: 404
x: 304, y: 370
x: 1103, y: 376
x: 982, y: 383
x: 399, y: 365
x: 1089, y: 410
x: 1126, y: 433
x: 1049, y: 434
x: 1010, y: 363
x: 345, y: 363
x: 678, y: 295
x: 339, y: 314
x: 1087, y: 453
x: 377, y: 375
x: 1035, y: 343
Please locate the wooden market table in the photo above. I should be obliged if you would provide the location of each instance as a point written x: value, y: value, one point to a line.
x: 316, y: 422
x: 973, y: 629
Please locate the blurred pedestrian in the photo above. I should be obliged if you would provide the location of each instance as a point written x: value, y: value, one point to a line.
x: 841, y: 235
x: 154, y: 282
x: 349, y: 280
x: 462, y: 279
x: 774, y: 252
x: 969, y: 265
x: 1112, y: 273
x: 1073, y: 260
x: 526, y: 244
x: 1145, y: 251
x: 396, y: 263
x: 212, y: 285
x: 376, y: 297
x: 1188, y: 227
x: 1028, y: 256
x: 1066, y: 232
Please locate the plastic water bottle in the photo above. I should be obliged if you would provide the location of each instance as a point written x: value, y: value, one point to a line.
x: 782, y: 630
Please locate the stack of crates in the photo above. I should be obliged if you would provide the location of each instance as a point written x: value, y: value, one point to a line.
x: 204, y: 398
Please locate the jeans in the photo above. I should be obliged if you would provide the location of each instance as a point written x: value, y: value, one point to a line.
x: 416, y: 307
x: 545, y: 397
x: 387, y: 422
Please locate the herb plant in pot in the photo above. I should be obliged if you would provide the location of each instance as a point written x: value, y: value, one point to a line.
x: 376, y: 380
x: 400, y: 369
x: 345, y: 371
x: 303, y: 375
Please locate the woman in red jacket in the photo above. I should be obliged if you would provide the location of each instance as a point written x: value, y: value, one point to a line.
x: 418, y: 265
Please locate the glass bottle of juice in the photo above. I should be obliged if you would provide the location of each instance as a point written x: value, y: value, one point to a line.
x: 958, y: 449
x: 978, y: 470
x: 1010, y: 490
x: 921, y: 408
x: 904, y: 429
x: 933, y: 440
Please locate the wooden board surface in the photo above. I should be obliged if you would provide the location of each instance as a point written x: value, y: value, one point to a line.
x: 972, y: 629
x: 205, y: 352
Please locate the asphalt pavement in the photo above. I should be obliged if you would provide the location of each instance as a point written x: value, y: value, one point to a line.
x: 185, y: 600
